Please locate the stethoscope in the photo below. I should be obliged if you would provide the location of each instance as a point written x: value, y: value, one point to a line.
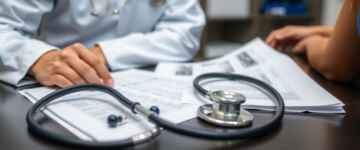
x: 225, y: 111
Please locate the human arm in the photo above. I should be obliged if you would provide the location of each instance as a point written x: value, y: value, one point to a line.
x: 175, y: 37
x: 290, y: 36
x: 22, y: 53
x: 340, y: 58
x: 18, y: 49
x: 337, y: 57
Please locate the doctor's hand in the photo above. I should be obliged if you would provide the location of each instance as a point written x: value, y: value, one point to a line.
x: 289, y: 36
x: 74, y: 65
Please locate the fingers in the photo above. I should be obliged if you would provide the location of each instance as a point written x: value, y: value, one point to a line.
x: 283, y: 35
x: 276, y: 39
x: 279, y: 44
x: 281, y: 38
x: 60, y: 81
x: 86, y: 71
x: 73, y: 65
x: 300, y: 47
x: 271, y: 39
x: 90, y: 58
x: 70, y: 74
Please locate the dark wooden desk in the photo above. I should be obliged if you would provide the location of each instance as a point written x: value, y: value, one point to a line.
x: 298, y: 132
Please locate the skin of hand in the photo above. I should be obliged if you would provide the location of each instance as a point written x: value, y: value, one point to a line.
x: 311, y: 45
x: 340, y: 59
x: 335, y: 56
x: 289, y: 36
x: 315, y: 48
x: 73, y: 65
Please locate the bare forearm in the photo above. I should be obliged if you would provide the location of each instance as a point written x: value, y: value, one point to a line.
x: 332, y: 67
x: 323, y: 30
x: 326, y: 63
x: 339, y: 58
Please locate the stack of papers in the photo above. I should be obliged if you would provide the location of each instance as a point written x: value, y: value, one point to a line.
x: 170, y: 88
x: 258, y: 60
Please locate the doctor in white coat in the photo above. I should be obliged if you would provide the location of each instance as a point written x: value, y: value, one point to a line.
x: 68, y: 42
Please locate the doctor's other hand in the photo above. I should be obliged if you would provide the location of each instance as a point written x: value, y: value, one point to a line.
x: 73, y: 65
x: 289, y: 36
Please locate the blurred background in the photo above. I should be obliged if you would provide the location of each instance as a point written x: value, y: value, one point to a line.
x: 234, y: 22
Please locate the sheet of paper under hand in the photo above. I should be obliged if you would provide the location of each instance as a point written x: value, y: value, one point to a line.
x: 258, y: 60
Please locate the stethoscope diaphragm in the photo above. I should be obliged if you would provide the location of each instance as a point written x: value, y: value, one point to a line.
x: 226, y: 110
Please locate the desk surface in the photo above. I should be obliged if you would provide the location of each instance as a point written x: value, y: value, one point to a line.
x: 298, y: 132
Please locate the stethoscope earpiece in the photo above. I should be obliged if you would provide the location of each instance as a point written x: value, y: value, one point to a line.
x: 115, y: 120
x: 155, y: 109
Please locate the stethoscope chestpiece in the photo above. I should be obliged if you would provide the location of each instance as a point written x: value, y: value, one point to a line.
x: 226, y: 110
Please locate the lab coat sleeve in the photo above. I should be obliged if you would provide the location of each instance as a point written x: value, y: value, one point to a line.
x: 176, y: 37
x: 19, y: 22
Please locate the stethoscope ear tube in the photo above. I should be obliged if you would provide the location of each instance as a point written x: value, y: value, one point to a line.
x: 35, y: 128
x: 202, y: 91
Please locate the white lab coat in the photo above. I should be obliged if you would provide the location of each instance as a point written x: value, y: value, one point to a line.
x: 135, y: 34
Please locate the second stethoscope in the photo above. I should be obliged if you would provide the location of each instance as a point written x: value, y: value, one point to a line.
x: 225, y: 111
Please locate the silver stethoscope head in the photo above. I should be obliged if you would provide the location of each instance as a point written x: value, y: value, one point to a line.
x: 226, y: 110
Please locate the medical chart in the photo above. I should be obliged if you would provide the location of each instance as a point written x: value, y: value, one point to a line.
x: 260, y: 61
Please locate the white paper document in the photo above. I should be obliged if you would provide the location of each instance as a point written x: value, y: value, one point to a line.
x: 85, y: 113
x: 258, y: 60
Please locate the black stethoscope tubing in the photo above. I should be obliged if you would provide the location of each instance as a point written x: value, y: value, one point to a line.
x: 243, y: 133
x: 37, y: 129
